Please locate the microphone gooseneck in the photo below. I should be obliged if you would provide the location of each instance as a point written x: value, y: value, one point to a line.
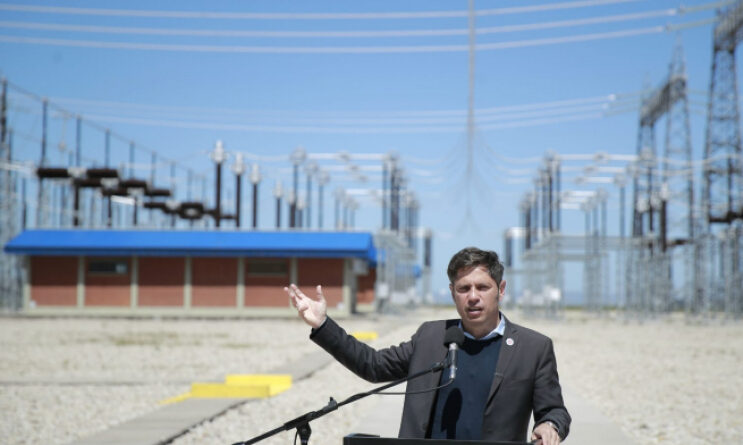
x: 453, y: 338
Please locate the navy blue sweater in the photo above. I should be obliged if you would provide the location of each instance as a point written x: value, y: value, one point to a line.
x: 460, y: 406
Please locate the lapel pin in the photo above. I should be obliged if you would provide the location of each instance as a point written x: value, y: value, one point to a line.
x: 509, y: 341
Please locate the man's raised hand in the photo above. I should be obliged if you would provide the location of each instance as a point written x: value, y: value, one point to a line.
x: 313, y: 312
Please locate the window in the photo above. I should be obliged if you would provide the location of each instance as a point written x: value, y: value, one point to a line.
x: 268, y: 268
x: 108, y: 267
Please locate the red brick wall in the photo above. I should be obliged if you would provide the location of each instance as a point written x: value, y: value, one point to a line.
x: 161, y: 281
x: 325, y: 271
x: 365, y: 293
x: 263, y: 290
x: 54, y: 281
x: 213, y: 281
x: 108, y: 289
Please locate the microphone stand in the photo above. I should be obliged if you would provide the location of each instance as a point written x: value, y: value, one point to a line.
x: 302, y: 423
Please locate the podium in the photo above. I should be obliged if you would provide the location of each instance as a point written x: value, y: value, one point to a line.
x: 363, y: 439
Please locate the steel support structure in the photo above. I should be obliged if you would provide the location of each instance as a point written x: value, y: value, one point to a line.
x: 722, y: 195
x: 663, y: 217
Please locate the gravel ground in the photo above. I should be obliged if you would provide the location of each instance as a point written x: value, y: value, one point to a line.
x: 63, y: 379
x: 665, y: 381
x: 662, y: 381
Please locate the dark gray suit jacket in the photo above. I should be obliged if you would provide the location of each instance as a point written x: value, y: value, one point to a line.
x: 525, y: 378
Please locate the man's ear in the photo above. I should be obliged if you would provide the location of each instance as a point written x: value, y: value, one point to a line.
x: 502, y: 289
x: 451, y: 290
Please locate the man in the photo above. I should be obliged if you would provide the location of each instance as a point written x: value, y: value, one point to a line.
x: 505, y: 373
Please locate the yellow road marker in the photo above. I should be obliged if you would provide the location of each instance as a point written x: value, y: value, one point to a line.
x: 365, y: 335
x: 241, y: 386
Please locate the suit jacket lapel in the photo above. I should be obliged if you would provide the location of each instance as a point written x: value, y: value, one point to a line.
x: 432, y: 380
x: 507, y: 351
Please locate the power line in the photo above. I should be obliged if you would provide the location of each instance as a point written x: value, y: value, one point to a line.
x: 459, y: 120
x: 612, y: 98
x: 302, y: 16
x: 343, y: 34
x: 349, y: 49
x: 316, y: 129
x: 404, y: 122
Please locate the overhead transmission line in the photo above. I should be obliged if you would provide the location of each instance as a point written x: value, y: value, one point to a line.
x: 221, y: 112
x: 488, y: 117
x: 91, y: 124
x: 431, y: 127
x: 249, y: 49
x: 38, y: 26
x: 303, y: 15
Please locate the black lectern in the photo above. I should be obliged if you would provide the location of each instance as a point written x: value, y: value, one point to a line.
x: 362, y: 439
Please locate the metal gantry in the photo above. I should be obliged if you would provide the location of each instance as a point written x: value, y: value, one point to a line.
x: 719, y: 245
x: 663, y: 205
x: 686, y: 250
x: 10, y: 266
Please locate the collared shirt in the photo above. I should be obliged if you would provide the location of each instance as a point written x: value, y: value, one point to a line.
x: 499, y: 330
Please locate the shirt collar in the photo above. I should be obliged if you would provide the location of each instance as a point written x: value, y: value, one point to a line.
x: 499, y: 330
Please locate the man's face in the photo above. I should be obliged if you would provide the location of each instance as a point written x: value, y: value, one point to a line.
x: 477, y: 296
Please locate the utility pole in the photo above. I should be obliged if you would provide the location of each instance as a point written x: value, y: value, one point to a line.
x: 339, y: 198
x: 310, y: 170
x: 471, y: 105
x: 277, y: 192
x: 297, y: 157
x: 255, y: 179
x: 322, y: 178
x: 238, y: 168
x: 41, y: 200
x: 218, y: 156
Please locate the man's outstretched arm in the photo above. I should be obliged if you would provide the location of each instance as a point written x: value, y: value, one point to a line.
x: 376, y: 366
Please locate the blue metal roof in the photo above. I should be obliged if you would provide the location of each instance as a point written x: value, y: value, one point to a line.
x: 194, y: 243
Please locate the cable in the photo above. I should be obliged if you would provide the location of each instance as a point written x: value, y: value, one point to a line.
x: 301, y: 16
x: 611, y: 99
x: 480, y: 119
x: 338, y: 34
x: 338, y: 130
x: 347, y: 49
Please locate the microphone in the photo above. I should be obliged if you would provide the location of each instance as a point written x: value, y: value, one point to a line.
x: 453, y: 338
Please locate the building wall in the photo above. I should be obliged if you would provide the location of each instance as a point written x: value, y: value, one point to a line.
x: 365, y: 293
x: 325, y: 271
x: 265, y: 288
x: 107, y: 289
x: 54, y: 280
x: 161, y: 281
x: 214, y: 282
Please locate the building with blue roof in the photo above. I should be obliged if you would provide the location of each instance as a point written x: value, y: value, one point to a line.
x: 207, y: 271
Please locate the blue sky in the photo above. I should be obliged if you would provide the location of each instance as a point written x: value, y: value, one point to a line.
x: 268, y: 94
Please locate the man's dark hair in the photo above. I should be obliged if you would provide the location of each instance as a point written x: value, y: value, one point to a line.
x: 470, y: 257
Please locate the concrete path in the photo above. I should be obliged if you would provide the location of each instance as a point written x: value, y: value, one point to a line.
x: 171, y: 421
x: 589, y: 426
x: 163, y: 425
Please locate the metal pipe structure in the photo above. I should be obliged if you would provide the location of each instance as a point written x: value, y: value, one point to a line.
x: 238, y: 168
x: 218, y: 155
x: 322, y: 178
x: 277, y: 193
x: 255, y: 179
x: 310, y: 170
x: 297, y: 157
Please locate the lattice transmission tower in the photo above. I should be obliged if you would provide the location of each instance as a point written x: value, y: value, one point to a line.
x: 10, y: 279
x: 722, y: 196
x: 663, y: 202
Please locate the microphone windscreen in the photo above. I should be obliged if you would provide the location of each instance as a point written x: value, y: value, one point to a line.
x: 453, y: 335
